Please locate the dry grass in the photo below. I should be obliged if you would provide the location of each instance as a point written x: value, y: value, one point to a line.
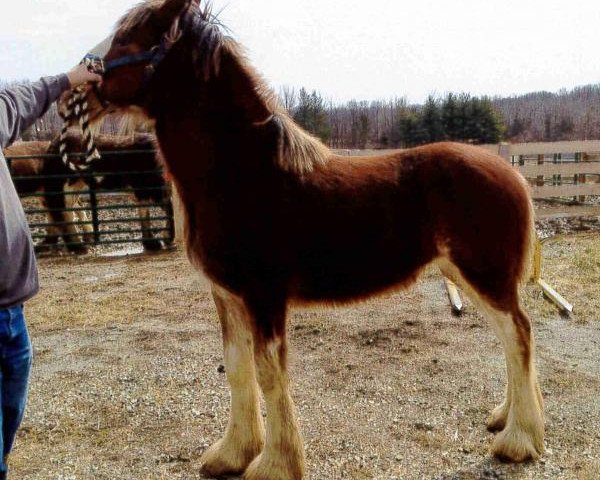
x: 126, y: 385
x: 571, y: 265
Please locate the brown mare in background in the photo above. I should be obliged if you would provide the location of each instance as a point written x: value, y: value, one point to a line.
x: 274, y: 218
x: 34, y: 168
x: 138, y: 171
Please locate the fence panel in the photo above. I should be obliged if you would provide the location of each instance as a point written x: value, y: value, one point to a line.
x: 556, y: 169
x: 135, y: 207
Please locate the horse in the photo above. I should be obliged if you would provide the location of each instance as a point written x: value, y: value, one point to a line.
x: 30, y: 168
x: 59, y: 185
x: 274, y: 218
x: 138, y: 170
x: 27, y: 174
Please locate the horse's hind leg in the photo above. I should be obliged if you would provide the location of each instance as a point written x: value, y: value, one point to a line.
x: 244, y: 436
x: 499, y: 415
x: 523, y: 435
x: 150, y: 243
x: 71, y: 217
x: 520, y: 416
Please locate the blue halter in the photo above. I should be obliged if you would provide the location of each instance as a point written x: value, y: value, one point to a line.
x: 154, y: 56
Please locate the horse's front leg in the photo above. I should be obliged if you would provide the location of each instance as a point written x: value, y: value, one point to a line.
x: 149, y: 243
x: 244, y: 436
x: 283, y: 455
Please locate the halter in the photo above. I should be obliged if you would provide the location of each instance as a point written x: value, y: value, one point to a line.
x: 77, y: 105
x: 154, y: 56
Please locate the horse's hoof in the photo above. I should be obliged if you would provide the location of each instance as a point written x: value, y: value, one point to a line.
x: 152, y: 245
x: 221, y: 459
x: 266, y: 467
x: 79, y: 250
x: 515, y: 445
x: 42, y: 248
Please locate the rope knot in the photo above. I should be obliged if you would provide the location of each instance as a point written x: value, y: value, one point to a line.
x: 77, y: 110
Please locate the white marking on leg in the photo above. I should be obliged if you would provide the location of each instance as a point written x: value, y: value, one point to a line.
x: 523, y: 435
x: 71, y: 201
x: 283, y: 456
x: 244, y: 436
x: 522, y: 410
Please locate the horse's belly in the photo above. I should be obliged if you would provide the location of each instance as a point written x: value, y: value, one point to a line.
x: 344, y: 277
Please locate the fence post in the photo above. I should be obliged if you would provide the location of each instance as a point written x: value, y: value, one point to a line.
x: 580, y: 178
x: 557, y: 178
x: 504, y: 150
x: 540, y: 178
x: 94, y: 207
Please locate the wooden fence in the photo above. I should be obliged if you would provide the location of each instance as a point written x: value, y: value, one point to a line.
x: 554, y: 170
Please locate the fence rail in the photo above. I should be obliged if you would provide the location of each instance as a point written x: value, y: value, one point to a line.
x: 554, y: 169
x: 104, y: 214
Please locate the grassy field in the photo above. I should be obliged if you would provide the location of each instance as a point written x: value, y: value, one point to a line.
x: 126, y: 381
x: 571, y: 265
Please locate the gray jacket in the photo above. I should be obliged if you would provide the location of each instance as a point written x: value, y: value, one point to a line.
x: 20, y: 107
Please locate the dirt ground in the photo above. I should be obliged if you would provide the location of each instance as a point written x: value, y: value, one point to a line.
x: 126, y: 381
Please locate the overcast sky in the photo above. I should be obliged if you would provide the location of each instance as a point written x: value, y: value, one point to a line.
x: 363, y: 49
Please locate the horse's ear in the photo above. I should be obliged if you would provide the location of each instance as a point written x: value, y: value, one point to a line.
x: 171, y: 8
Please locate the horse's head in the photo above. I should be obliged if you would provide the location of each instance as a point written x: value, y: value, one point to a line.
x: 144, y: 37
x: 172, y: 55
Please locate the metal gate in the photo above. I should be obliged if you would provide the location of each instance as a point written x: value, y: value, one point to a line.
x: 90, y: 213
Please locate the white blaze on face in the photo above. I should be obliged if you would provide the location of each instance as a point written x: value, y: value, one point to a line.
x: 103, y: 47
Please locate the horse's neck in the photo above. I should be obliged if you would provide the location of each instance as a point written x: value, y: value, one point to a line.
x: 207, y: 125
x: 198, y: 155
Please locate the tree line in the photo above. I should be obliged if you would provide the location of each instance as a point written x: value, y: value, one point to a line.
x: 394, y: 123
x: 535, y: 117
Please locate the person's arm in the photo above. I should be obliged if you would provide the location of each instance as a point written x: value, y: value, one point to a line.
x: 21, y: 105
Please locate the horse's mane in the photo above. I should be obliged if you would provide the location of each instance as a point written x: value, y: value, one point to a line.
x: 298, y: 151
x: 137, y: 15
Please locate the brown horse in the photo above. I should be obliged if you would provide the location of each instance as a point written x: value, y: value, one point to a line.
x: 28, y: 177
x: 30, y: 168
x: 138, y: 171
x: 273, y: 218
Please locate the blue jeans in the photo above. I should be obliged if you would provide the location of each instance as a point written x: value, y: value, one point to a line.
x: 15, y: 365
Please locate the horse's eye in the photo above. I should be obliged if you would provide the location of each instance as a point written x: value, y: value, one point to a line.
x: 121, y: 41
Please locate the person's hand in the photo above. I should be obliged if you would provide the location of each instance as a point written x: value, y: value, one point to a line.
x: 80, y: 75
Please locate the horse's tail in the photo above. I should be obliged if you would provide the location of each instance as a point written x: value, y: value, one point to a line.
x: 530, y: 237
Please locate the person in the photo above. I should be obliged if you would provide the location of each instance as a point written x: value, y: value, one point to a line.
x: 20, y: 106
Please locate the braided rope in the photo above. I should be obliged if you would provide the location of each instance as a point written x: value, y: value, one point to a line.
x: 77, y: 110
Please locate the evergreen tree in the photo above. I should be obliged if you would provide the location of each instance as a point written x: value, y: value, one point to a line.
x: 311, y: 114
x: 450, y: 117
x: 491, y: 126
x: 431, y: 121
x: 409, y: 130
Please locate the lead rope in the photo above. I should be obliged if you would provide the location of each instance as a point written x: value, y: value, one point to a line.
x: 77, y: 110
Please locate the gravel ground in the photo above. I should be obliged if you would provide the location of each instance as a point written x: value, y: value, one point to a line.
x: 560, y: 224
x: 111, y: 220
x: 126, y: 381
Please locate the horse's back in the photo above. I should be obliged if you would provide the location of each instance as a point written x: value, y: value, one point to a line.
x: 27, y: 167
x: 365, y: 224
x: 482, y: 215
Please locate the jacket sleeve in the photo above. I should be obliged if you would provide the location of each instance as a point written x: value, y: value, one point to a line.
x: 21, y: 105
